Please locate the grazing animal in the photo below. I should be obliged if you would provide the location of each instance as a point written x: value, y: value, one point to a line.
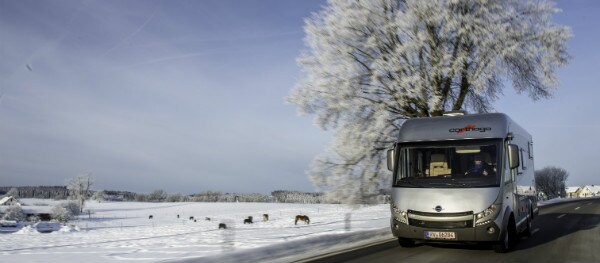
x: 150, y: 216
x: 265, y: 217
x: 248, y: 220
x: 177, y: 216
x: 194, y: 220
x: 191, y: 218
x: 302, y: 218
x: 207, y: 218
x: 222, y: 226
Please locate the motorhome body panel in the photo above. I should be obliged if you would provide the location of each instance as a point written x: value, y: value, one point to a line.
x: 481, y: 126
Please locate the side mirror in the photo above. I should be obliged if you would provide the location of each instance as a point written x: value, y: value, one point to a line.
x: 513, y: 156
x: 391, y: 160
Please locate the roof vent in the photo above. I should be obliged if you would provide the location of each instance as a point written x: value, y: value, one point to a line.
x: 454, y: 113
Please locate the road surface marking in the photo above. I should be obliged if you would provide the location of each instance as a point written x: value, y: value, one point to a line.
x: 561, y: 215
x: 535, y: 231
x: 577, y: 208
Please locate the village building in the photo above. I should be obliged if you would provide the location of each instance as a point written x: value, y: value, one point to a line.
x: 588, y: 191
x: 9, y: 200
x: 571, y: 191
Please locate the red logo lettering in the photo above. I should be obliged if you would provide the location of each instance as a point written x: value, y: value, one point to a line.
x: 466, y: 128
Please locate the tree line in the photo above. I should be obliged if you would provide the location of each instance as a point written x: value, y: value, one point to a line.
x: 42, y: 192
x: 64, y: 193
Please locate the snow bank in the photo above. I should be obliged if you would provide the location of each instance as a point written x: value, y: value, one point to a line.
x: 27, y: 230
x: 563, y: 200
x: 69, y: 229
x: 290, y: 251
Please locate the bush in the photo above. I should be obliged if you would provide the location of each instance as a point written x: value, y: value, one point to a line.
x: 60, y: 213
x: 73, y: 207
x: 33, y: 218
x: 14, y: 213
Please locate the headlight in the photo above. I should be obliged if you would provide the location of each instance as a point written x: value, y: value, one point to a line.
x: 485, y: 214
x: 399, y: 215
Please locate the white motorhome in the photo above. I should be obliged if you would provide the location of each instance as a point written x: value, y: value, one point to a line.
x: 462, y: 178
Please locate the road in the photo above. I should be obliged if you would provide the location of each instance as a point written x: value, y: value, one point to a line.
x: 565, y: 232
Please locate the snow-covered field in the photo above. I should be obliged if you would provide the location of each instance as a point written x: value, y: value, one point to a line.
x: 122, y: 232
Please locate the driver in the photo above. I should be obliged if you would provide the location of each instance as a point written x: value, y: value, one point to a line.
x: 480, y: 167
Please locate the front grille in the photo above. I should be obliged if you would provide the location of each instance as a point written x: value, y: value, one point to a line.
x: 440, y: 224
x: 468, y: 213
x: 440, y: 220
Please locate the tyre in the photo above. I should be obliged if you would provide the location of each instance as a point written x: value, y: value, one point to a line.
x: 508, y: 241
x: 528, y: 231
x: 406, y: 242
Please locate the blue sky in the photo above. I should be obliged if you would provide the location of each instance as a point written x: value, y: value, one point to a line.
x: 188, y: 96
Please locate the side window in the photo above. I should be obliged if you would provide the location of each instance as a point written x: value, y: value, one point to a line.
x: 530, y: 149
x: 523, y: 166
x: 507, y: 172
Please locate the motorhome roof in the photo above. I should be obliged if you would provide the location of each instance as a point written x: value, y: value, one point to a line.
x: 476, y: 126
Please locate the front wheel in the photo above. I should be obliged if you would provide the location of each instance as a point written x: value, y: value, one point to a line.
x: 405, y: 242
x: 507, y: 243
x: 529, y: 230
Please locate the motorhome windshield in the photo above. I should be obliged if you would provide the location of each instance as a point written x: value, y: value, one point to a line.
x: 449, y: 164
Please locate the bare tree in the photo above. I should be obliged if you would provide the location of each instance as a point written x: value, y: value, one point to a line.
x: 80, y: 188
x: 551, y: 181
x: 372, y: 64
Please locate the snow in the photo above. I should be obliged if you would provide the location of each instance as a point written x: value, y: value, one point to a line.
x: 122, y: 232
x: 562, y: 200
x: 26, y: 230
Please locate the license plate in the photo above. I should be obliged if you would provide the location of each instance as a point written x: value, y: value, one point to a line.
x: 440, y: 235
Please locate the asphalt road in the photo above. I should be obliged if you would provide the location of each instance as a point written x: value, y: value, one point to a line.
x: 566, y: 232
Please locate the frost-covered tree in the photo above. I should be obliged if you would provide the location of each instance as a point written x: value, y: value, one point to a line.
x: 60, y: 213
x: 372, y: 64
x: 14, y: 192
x: 551, y: 181
x: 80, y: 188
x: 98, y: 196
x: 157, y: 196
x: 177, y: 197
x: 73, y: 207
x: 14, y: 213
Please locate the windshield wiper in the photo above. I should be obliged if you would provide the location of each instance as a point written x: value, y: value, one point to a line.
x: 409, y: 181
x: 454, y: 182
x: 448, y: 183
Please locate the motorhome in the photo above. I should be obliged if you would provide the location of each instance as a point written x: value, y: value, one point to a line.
x: 462, y: 178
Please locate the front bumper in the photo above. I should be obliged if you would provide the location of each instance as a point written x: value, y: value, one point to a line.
x: 468, y: 234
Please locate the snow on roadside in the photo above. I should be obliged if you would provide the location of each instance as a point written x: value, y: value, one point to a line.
x: 563, y: 200
x: 69, y: 229
x: 28, y: 229
x: 123, y: 232
x: 299, y: 249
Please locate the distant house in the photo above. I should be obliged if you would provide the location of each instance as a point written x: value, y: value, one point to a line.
x: 43, y: 213
x: 588, y: 191
x: 9, y: 200
x: 572, y: 191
